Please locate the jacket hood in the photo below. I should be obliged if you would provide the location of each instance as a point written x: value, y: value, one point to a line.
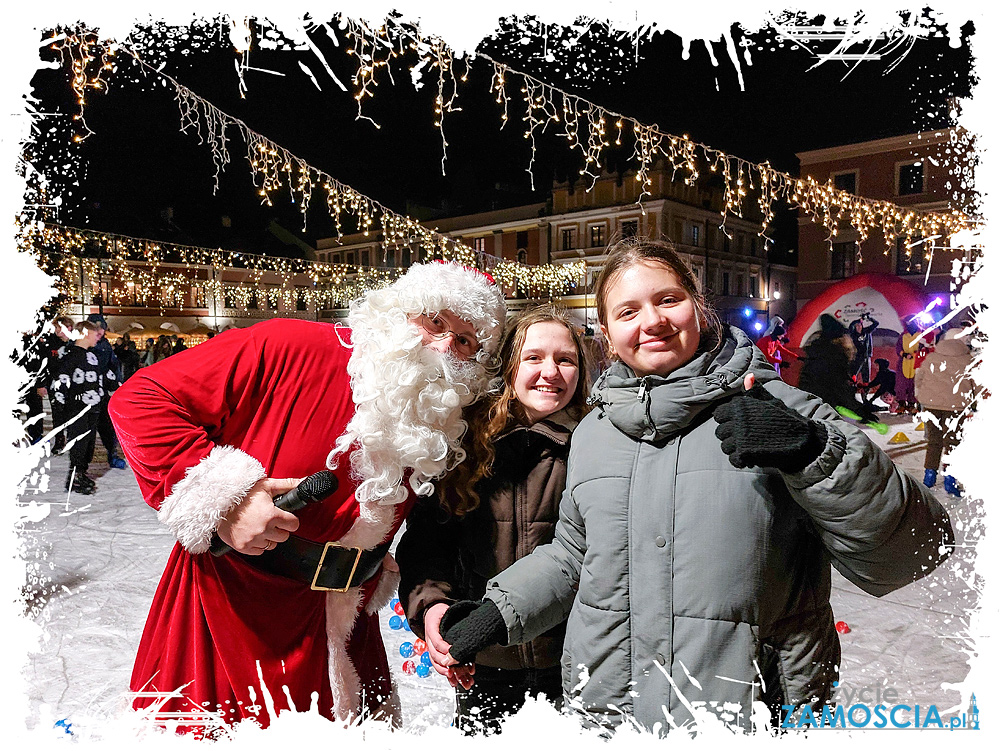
x: 654, y: 408
x: 951, y: 345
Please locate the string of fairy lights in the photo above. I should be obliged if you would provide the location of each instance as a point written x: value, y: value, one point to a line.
x: 586, y: 127
x: 148, y: 273
x: 275, y: 169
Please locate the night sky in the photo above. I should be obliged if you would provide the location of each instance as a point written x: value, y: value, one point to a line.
x: 137, y: 163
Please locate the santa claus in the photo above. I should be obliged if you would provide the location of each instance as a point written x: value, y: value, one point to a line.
x: 288, y: 620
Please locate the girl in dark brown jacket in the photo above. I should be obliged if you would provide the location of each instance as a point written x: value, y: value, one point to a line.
x: 496, y: 507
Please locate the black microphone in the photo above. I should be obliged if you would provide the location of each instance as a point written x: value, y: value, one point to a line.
x: 314, y: 488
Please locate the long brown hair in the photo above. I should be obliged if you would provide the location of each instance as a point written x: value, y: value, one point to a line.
x: 491, y: 416
x: 628, y: 252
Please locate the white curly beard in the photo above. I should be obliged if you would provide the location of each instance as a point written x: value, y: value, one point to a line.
x: 409, y: 401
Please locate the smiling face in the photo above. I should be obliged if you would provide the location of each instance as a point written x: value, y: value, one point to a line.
x: 652, y: 322
x: 548, y: 370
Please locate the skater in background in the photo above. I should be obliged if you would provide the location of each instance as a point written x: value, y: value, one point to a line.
x: 56, y: 344
x: 127, y: 355
x: 884, y: 384
x: 78, y: 390
x: 110, y: 370
x: 945, y: 390
x: 826, y: 372
x: 215, y: 433
x: 700, y: 521
x: 906, y: 346
x: 773, y: 345
x: 32, y: 356
x: 861, y: 337
x: 501, y: 504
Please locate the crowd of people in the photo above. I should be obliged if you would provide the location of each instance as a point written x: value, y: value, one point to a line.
x: 76, y: 368
x: 663, y: 537
x: 931, y: 377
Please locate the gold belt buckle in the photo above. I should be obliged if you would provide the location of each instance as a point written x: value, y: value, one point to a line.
x: 319, y: 567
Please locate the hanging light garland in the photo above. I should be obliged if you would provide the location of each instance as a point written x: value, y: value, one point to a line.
x: 146, y: 270
x: 584, y: 126
x: 274, y: 169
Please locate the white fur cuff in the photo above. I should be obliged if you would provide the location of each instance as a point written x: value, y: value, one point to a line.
x: 208, y: 491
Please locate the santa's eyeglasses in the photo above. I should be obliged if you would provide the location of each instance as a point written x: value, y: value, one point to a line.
x: 465, y: 345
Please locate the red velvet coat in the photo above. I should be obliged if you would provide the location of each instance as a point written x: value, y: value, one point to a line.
x: 200, y: 428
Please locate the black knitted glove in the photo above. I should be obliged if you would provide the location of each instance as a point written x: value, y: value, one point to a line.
x: 758, y: 430
x: 471, y: 626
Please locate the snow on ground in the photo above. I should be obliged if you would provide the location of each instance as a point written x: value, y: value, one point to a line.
x: 94, y: 562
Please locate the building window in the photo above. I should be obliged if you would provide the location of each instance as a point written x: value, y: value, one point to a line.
x: 695, y: 234
x: 389, y: 257
x: 365, y: 258
x: 910, y: 256
x: 479, y: 244
x: 522, y: 240
x: 568, y: 239
x: 199, y: 299
x: 522, y: 256
x: 911, y: 179
x: 843, y: 260
x: 725, y: 283
x: 754, y: 290
x: 699, y: 274
x: 753, y: 246
x: 100, y: 292
x: 630, y: 228
x: 300, y: 299
x: 253, y: 303
x: 406, y: 258
x: 847, y: 182
x: 350, y: 258
x: 597, y: 235
x: 726, y: 243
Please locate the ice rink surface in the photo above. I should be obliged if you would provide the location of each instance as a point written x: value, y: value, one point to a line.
x: 94, y: 562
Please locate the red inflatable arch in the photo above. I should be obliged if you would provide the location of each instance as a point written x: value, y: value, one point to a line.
x: 888, y: 298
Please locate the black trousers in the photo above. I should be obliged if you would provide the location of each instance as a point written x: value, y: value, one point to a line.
x: 499, y: 693
x: 83, y: 434
x: 34, y: 429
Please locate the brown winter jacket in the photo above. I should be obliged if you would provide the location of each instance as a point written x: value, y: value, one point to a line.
x: 445, y: 559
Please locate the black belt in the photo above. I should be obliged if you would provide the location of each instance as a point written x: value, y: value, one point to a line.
x: 325, y: 567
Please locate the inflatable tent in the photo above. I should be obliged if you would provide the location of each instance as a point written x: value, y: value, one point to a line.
x: 884, y: 297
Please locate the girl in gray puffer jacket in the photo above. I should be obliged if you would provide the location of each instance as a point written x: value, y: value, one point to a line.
x: 701, y: 516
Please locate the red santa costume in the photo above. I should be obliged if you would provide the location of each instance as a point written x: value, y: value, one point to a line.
x: 224, y: 639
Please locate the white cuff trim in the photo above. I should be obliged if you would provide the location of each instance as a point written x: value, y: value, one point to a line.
x: 208, y: 491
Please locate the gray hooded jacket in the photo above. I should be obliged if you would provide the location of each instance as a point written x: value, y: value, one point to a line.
x: 689, y: 582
